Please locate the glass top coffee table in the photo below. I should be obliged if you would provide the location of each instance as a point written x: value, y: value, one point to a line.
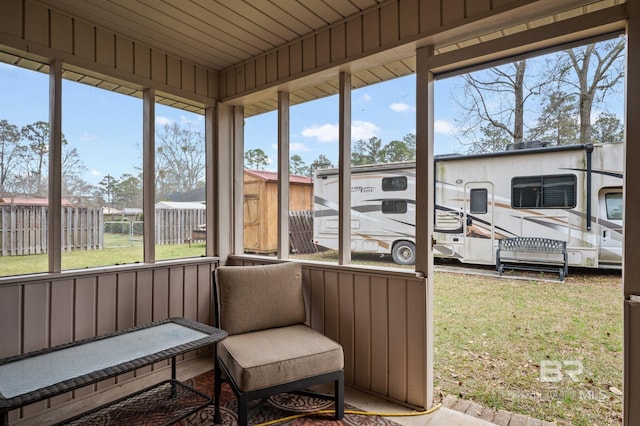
x: 39, y: 375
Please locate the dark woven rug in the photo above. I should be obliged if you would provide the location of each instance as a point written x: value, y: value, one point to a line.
x: 276, y: 407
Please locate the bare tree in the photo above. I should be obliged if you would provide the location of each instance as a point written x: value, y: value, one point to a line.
x: 35, y: 165
x: 180, y: 159
x: 11, y: 152
x: 73, y: 185
x: 598, y: 68
x: 36, y: 162
x: 494, y: 103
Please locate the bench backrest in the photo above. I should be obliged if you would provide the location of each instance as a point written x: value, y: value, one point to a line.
x: 532, y: 244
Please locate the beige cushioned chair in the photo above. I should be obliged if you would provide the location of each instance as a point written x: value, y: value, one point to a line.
x: 269, y: 349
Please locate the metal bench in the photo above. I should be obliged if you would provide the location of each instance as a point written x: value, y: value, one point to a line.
x: 532, y: 254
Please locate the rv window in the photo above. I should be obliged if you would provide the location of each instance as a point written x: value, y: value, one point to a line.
x: 543, y: 192
x: 394, y: 206
x: 396, y: 183
x: 613, y: 201
x: 478, y: 201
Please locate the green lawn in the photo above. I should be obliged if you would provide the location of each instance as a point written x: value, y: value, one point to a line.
x: 119, y: 249
x: 491, y: 336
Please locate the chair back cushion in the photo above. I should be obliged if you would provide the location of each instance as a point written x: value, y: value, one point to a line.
x: 252, y: 298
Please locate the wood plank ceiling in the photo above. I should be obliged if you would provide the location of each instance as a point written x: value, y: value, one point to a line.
x: 221, y: 33
x: 216, y: 34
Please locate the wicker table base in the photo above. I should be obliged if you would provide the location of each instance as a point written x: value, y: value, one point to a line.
x: 164, y: 403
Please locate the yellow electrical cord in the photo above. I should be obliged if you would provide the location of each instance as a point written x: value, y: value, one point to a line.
x: 357, y: 412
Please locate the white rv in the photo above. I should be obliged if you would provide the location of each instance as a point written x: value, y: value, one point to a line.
x: 568, y: 193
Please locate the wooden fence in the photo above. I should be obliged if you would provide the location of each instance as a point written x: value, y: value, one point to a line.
x: 301, y: 232
x: 24, y: 229
x: 176, y: 226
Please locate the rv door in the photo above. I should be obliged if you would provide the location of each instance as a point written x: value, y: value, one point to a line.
x: 478, y: 223
x: 610, y: 226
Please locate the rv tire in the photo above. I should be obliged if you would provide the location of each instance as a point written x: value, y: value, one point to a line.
x: 404, y: 253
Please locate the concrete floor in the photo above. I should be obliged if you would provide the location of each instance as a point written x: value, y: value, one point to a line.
x: 440, y: 417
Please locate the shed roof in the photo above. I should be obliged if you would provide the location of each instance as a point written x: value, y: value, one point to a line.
x: 26, y: 201
x: 273, y: 176
x: 180, y: 205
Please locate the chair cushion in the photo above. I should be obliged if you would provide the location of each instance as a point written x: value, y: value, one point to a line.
x: 265, y: 358
x: 255, y: 298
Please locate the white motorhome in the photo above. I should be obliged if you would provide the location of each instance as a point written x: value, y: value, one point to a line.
x: 568, y: 193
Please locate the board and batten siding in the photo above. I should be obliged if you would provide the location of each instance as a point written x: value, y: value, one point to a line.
x: 41, y: 31
x: 386, y: 26
x: 380, y: 320
x: 36, y: 314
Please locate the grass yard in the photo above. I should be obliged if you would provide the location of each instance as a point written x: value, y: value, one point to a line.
x: 492, y: 335
x: 119, y: 249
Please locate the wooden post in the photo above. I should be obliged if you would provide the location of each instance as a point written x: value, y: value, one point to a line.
x: 424, y: 198
x: 55, y: 166
x: 148, y: 177
x: 283, y: 175
x: 344, y: 178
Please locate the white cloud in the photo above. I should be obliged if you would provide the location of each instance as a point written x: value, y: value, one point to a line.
x: 443, y: 127
x: 329, y: 132
x: 324, y: 133
x: 298, y: 147
x: 400, y: 107
x: 88, y: 137
x: 366, y: 97
x: 95, y: 172
x: 194, y: 120
x: 161, y: 121
x: 363, y: 129
x: 294, y: 148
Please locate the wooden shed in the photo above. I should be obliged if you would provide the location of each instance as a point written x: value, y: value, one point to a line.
x: 261, y: 207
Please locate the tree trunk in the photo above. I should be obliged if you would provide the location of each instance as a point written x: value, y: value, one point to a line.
x: 518, y: 90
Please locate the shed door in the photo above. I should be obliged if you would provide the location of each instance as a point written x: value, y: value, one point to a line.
x: 251, y: 222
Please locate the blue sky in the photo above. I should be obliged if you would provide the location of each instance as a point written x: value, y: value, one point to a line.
x: 106, y: 127
x: 384, y: 110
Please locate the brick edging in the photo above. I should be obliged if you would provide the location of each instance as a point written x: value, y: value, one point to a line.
x: 498, y: 417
